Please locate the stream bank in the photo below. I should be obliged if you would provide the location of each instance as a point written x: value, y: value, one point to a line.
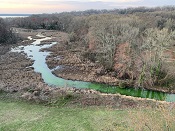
x: 18, y: 74
x: 33, y: 51
x: 65, y: 61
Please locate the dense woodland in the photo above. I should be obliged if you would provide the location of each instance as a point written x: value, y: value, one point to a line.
x: 135, y: 43
x: 6, y: 34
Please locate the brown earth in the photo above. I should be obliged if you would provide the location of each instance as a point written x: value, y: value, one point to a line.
x: 69, y: 57
x: 75, y: 68
x: 17, y: 77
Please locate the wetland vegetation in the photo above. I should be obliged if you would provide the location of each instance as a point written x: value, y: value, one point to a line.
x: 72, y: 58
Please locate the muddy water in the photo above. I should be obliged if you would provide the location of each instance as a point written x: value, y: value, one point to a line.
x: 33, y: 52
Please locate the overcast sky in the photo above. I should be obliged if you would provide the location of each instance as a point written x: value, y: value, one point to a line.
x: 52, y: 6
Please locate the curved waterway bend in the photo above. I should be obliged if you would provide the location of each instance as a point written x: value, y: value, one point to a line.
x: 33, y: 52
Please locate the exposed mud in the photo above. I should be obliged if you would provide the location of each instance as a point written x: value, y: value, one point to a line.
x: 17, y: 76
x: 74, y: 67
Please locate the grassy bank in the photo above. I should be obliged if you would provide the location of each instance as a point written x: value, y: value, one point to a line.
x: 17, y: 115
x: 24, y: 116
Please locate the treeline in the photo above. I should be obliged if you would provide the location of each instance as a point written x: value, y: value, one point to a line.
x: 146, y: 34
x: 61, y: 21
x: 6, y: 34
x: 120, y: 11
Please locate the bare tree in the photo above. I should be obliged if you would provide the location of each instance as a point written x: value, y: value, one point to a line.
x: 155, y: 43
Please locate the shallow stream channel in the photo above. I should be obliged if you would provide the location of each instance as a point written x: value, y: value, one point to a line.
x: 40, y: 66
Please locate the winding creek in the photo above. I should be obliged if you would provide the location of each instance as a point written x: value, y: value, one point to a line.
x: 33, y: 52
